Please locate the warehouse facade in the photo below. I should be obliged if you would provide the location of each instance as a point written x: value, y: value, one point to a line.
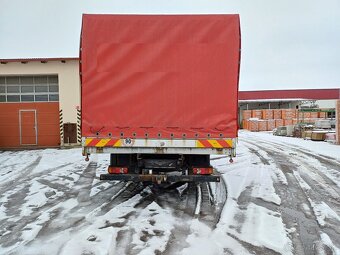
x: 39, y: 102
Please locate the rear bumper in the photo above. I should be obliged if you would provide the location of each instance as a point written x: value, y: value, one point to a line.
x: 160, y: 178
x: 223, y: 146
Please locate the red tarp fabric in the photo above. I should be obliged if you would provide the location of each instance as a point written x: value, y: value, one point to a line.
x: 160, y: 74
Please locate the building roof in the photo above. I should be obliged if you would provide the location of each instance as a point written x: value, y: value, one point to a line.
x: 36, y: 59
x: 296, y: 94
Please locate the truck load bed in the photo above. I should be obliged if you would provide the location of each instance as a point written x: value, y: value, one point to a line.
x: 160, y: 94
x: 159, y: 77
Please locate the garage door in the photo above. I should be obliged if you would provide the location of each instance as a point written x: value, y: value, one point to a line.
x: 29, y: 111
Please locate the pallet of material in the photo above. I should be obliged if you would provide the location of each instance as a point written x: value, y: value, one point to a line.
x: 262, y: 125
x: 322, y: 115
x: 278, y: 123
x: 256, y: 114
x: 245, y: 124
x: 267, y: 114
x: 287, y: 122
x: 246, y: 114
x: 318, y: 135
x: 307, y: 134
x: 288, y: 113
x: 277, y: 114
x: 271, y: 125
x: 253, y: 125
x: 314, y: 115
x: 304, y: 115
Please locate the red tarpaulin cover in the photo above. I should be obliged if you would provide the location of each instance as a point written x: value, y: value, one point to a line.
x: 160, y: 74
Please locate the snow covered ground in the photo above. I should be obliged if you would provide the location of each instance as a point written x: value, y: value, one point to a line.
x: 283, y: 198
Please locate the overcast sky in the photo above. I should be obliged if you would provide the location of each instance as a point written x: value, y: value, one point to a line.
x: 286, y: 44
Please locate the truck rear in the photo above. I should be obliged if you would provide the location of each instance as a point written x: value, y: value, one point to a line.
x: 159, y: 93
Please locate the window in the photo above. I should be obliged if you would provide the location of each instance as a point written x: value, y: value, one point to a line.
x: 42, y: 88
x: 27, y: 89
x: 13, y: 98
x: 41, y: 98
x: 13, y: 89
x: 12, y: 80
x: 53, y: 88
x: 53, y: 98
x: 27, y: 80
x: 27, y: 98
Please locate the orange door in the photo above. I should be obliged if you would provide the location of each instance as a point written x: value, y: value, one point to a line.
x: 28, y: 127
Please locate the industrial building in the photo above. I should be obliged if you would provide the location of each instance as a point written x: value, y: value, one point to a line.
x: 40, y: 101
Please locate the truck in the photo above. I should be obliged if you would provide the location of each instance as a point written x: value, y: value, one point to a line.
x: 159, y: 94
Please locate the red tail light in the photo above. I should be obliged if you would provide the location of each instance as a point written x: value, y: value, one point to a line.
x: 117, y: 170
x: 202, y: 170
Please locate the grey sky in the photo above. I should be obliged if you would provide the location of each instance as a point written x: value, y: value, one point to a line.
x: 286, y: 44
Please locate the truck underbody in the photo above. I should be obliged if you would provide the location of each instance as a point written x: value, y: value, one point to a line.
x: 160, y: 168
x: 160, y: 160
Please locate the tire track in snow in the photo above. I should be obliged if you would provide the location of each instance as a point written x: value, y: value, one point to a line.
x: 296, y: 206
x: 325, y: 186
x: 22, y: 176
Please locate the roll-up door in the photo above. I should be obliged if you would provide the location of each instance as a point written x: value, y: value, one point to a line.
x: 29, y: 111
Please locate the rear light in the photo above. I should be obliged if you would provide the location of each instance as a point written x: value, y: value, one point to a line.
x: 202, y: 170
x: 117, y: 170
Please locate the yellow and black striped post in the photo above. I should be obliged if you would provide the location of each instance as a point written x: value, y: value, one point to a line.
x: 61, y: 127
x: 78, y: 126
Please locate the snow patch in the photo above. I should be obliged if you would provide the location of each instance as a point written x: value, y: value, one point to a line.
x: 152, y: 229
x: 263, y: 227
x: 322, y: 212
x: 328, y: 242
x: 200, y: 240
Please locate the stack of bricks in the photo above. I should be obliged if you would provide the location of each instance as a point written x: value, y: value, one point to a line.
x: 278, y: 123
x: 256, y: 114
x: 267, y: 114
x: 262, y: 125
x: 277, y: 114
x: 267, y: 119
x: 288, y: 114
x: 322, y: 115
x: 271, y: 124
x: 253, y: 125
x: 337, y: 113
x: 246, y: 114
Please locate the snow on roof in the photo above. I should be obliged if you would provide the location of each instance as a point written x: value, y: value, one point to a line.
x: 36, y: 59
x: 272, y: 100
